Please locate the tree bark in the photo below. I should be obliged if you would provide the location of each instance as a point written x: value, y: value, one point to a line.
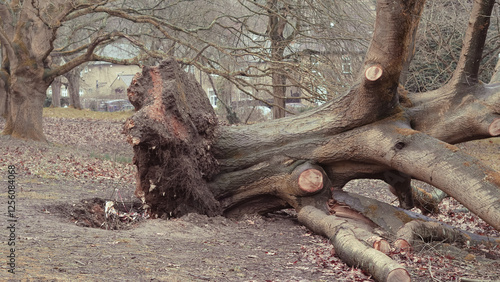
x: 26, y: 35
x: 279, y: 93
x: 73, y: 77
x: 276, y: 29
x: 25, y: 99
x: 56, y: 92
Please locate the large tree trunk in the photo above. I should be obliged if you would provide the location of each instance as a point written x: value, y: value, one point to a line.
x: 73, y: 77
x: 186, y: 162
x: 26, y: 97
x: 279, y: 92
x: 56, y: 92
x: 27, y: 33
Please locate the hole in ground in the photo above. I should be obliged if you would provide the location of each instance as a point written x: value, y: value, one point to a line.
x: 92, y: 213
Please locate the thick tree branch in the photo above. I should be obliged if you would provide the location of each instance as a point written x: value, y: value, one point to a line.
x: 86, y: 57
x: 7, y: 44
x: 394, y: 26
x: 473, y: 43
x: 348, y: 246
x: 385, y: 59
x: 6, y: 15
x: 470, y: 112
x: 495, y: 78
x: 83, y: 9
x: 61, y: 52
x: 442, y: 165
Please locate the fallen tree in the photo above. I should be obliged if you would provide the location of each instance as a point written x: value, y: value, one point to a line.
x: 188, y: 163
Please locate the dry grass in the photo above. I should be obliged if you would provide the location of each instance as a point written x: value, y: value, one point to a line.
x: 86, y: 114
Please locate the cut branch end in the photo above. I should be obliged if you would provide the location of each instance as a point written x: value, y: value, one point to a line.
x: 494, y: 128
x: 382, y: 246
x: 374, y: 72
x: 402, y: 245
x: 399, y: 275
x: 311, y: 180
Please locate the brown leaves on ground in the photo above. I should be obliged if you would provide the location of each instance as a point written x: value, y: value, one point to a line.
x: 78, y: 149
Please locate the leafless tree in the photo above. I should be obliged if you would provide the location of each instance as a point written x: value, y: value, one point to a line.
x: 293, y: 43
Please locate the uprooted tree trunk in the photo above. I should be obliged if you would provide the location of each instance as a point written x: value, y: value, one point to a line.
x: 187, y: 163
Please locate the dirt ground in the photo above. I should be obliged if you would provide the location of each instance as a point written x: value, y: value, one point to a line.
x: 61, y: 186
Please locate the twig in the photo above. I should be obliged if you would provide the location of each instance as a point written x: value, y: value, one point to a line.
x: 430, y: 272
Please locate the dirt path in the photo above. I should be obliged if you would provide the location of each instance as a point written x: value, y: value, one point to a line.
x: 52, y: 180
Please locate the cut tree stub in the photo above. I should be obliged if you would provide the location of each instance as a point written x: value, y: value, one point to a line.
x: 399, y: 275
x: 311, y: 180
x: 382, y: 246
x: 374, y: 72
x: 402, y: 245
x: 494, y: 128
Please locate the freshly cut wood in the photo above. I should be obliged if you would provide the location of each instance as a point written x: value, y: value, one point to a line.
x: 402, y: 245
x: 382, y: 245
x: 311, y: 180
x: 374, y: 72
x: 494, y: 128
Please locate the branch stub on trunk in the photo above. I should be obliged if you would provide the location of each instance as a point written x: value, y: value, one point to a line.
x: 494, y: 128
x: 374, y: 72
x: 311, y: 180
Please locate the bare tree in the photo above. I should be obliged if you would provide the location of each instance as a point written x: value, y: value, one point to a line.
x: 27, y: 35
x: 291, y: 43
x: 379, y: 130
x: 33, y: 32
